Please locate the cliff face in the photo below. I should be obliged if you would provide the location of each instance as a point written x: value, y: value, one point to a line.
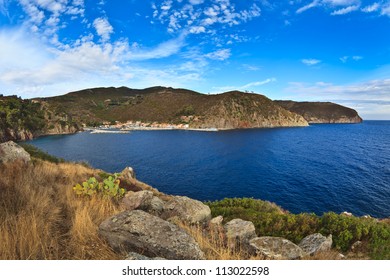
x: 322, y: 112
x: 244, y: 110
x: 22, y: 120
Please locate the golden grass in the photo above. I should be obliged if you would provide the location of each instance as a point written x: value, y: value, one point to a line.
x: 214, y: 244
x: 41, y: 218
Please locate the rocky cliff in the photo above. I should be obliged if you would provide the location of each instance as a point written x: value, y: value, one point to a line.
x: 22, y: 120
x: 322, y: 112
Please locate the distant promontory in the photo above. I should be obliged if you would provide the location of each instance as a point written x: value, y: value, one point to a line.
x: 156, y: 106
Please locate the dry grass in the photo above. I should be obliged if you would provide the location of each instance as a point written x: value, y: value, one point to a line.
x: 41, y: 218
x: 213, y: 243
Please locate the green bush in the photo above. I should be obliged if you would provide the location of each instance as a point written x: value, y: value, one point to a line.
x: 108, y: 188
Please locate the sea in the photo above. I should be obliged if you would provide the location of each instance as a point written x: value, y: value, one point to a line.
x: 316, y: 169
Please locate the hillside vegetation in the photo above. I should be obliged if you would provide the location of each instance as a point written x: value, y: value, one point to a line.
x: 322, y: 112
x: 23, y: 119
x: 270, y: 220
x: 159, y: 104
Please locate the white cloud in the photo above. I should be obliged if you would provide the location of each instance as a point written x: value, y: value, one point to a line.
x: 311, y: 61
x: 103, y: 28
x: 313, y: 4
x: 385, y: 10
x: 344, y: 11
x: 249, y: 67
x: 196, y: 2
x: 348, y: 6
x: 249, y: 86
x: 371, y: 8
x: 222, y: 54
x: 197, y: 29
x: 45, y: 16
x: 344, y: 59
x: 164, y: 49
x: 195, y: 18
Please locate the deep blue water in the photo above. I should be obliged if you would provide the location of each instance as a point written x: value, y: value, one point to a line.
x: 316, y: 169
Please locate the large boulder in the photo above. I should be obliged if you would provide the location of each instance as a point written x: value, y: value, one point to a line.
x: 10, y: 151
x: 137, y: 200
x: 148, y: 235
x: 239, y: 232
x: 276, y: 248
x: 315, y: 243
x: 187, y: 210
x: 143, y: 200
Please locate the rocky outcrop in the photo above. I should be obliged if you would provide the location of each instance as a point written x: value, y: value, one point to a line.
x: 10, y: 151
x: 239, y: 232
x: 187, y: 210
x: 245, y: 110
x: 315, y: 243
x: 143, y: 200
x: 58, y: 128
x: 321, y: 112
x: 145, y: 234
x: 276, y: 248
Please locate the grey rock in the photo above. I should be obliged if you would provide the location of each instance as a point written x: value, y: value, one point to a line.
x: 187, y: 210
x: 276, y: 248
x: 239, y: 232
x: 10, y: 151
x: 138, y: 257
x: 315, y: 243
x: 156, y: 206
x: 137, y: 200
x: 148, y: 235
x: 143, y: 200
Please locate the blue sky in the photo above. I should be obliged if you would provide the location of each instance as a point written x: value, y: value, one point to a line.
x: 316, y: 50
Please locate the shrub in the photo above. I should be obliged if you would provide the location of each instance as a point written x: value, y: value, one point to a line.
x: 271, y: 220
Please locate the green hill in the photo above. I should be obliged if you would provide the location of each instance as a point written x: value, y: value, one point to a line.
x: 158, y: 104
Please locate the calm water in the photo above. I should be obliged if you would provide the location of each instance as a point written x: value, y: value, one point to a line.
x: 314, y: 169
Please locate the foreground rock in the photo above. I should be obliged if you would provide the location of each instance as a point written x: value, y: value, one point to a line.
x: 315, y: 243
x: 145, y: 234
x: 143, y: 200
x: 10, y: 151
x: 239, y: 232
x: 276, y: 248
x: 187, y: 210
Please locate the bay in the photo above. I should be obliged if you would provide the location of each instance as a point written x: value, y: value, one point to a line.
x: 320, y: 168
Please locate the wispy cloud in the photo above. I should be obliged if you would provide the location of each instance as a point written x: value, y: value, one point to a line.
x: 344, y: 11
x: 164, y: 49
x: 371, y: 8
x: 310, y: 61
x: 222, y: 54
x: 313, y: 4
x: 345, y: 58
x: 250, y: 86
